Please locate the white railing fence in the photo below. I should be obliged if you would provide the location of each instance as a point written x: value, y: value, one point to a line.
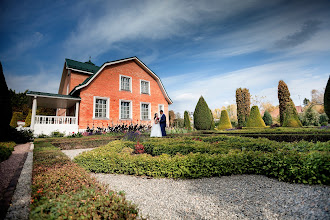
x: 42, y: 119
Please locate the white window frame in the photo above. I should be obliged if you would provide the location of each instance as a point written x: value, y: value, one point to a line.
x: 67, y: 89
x: 107, y: 110
x: 142, y: 80
x: 130, y: 110
x: 149, y: 111
x: 130, y: 85
x: 160, y: 108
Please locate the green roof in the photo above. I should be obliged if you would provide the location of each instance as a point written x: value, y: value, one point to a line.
x: 32, y: 93
x: 84, y: 66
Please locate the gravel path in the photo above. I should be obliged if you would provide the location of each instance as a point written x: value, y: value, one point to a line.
x: 73, y: 153
x: 9, y: 166
x: 228, y: 197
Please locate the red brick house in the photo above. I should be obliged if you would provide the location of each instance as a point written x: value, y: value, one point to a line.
x: 121, y: 91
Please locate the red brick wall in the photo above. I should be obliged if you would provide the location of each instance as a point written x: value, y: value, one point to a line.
x: 106, y: 84
x: 73, y: 80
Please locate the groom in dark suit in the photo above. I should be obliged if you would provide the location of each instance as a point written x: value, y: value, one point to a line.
x: 162, y: 123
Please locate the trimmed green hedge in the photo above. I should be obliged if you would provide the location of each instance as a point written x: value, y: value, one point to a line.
x: 301, y: 162
x: 63, y: 190
x: 6, y: 149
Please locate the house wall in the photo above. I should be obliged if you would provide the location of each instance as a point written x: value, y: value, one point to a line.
x: 74, y: 79
x: 106, y: 84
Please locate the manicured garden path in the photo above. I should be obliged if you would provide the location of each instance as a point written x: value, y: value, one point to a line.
x: 228, y: 197
x: 10, y: 171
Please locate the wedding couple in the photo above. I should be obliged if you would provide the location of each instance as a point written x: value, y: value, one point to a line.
x: 158, y: 128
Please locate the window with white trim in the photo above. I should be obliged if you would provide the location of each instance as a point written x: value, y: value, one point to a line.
x: 125, y: 83
x: 144, y: 87
x: 125, y: 110
x: 145, y: 111
x: 101, y: 107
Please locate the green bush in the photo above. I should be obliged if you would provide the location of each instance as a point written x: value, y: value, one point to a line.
x: 28, y: 119
x: 224, y: 121
x: 323, y: 119
x: 301, y: 162
x: 267, y: 118
x: 63, y: 190
x: 187, y: 120
x: 16, y: 117
x: 327, y: 99
x: 310, y: 117
x: 202, y: 115
x: 57, y: 134
x: 5, y: 103
x: 255, y: 120
x: 291, y: 118
x: 6, y: 148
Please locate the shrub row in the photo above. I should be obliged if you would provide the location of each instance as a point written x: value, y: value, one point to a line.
x: 63, y: 190
x: 6, y: 148
x: 289, y: 165
x: 290, y: 137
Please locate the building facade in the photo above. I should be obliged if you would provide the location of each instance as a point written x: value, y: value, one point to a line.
x: 122, y: 91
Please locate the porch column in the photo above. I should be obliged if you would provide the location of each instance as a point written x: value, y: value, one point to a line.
x: 34, y: 109
x: 77, y: 112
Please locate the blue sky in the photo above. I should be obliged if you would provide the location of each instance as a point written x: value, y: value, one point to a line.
x: 207, y: 48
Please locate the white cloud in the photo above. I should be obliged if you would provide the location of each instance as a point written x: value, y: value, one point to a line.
x: 22, y: 46
x: 43, y: 81
x: 148, y: 20
x: 261, y: 80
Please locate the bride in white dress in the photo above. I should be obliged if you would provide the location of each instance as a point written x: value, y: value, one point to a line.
x: 155, y: 130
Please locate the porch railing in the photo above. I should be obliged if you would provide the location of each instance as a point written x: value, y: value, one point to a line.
x: 42, y: 119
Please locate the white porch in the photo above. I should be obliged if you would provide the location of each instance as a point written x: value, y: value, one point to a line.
x: 42, y: 124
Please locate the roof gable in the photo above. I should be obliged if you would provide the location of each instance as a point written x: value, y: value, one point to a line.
x: 139, y: 62
x: 88, y: 67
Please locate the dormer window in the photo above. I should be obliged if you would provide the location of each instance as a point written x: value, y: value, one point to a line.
x: 126, y: 83
x: 145, y: 87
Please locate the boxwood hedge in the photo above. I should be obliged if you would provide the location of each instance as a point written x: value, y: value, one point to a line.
x: 302, y: 162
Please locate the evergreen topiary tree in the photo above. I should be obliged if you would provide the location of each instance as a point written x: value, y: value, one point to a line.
x: 310, y: 117
x: 16, y: 117
x: 255, y: 119
x: 291, y: 118
x: 327, y: 100
x: 186, y: 119
x: 28, y: 119
x: 243, y: 105
x: 212, y: 121
x: 283, y: 98
x: 5, y: 103
x: 267, y: 118
x: 224, y: 121
x: 202, y: 115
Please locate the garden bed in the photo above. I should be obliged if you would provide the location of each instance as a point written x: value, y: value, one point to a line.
x: 62, y: 189
x: 197, y: 157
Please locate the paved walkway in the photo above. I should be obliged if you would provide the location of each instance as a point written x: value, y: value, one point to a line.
x: 10, y: 171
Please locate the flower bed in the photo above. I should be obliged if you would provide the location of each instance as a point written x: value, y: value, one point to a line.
x: 302, y: 162
x: 63, y: 190
x: 6, y: 148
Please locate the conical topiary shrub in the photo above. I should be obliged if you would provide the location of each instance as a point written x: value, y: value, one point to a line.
x: 16, y: 117
x: 291, y: 118
x: 28, y: 119
x: 267, y: 118
x: 202, y: 115
x: 5, y: 103
x: 186, y: 120
x: 255, y: 119
x: 224, y: 121
x: 212, y: 121
x: 327, y: 100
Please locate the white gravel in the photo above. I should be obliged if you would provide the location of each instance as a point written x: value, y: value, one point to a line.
x: 228, y: 197
x: 73, y: 153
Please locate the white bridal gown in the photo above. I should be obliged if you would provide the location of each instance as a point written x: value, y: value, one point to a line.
x: 156, y: 131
